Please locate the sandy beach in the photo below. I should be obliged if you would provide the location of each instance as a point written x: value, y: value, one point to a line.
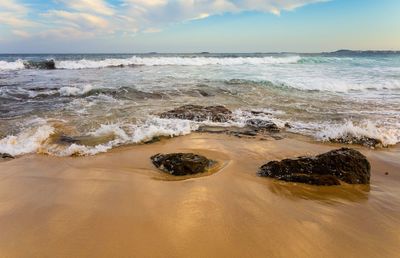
x: 118, y: 204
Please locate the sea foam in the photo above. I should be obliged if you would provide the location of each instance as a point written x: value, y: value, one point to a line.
x: 348, y: 131
x: 28, y: 141
x: 16, y: 65
x: 75, y: 91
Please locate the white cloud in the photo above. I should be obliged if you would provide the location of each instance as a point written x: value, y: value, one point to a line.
x: 13, y: 14
x: 148, y: 3
x: 12, y: 6
x: 95, y: 6
x: 152, y: 30
x: 158, y: 13
x: 66, y: 33
x: 14, y: 21
x: 99, y: 17
x: 80, y: 20
x: 21, y: 33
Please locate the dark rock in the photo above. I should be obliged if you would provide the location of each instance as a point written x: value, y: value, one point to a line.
x: 180, y: 164
x: 287, y: 125
x: 364, y: 141
x: 199, y: 113
x: 213, y: 129
x: 46, y: 64
x: 64, y: 139
x: 344, y: 164
x: 245, y: 133
x: 6, y: 156
x: 254, y: 112
x: 204, y: 93
x: 262, y: 125
x: 277, y: 137
x: 153, y: 140
x: 386, y: 173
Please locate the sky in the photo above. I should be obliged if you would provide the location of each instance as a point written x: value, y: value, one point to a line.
x: 177, y: 26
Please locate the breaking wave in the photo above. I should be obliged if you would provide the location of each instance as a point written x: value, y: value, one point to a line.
x: 177, y: 61
x: 43, y: 137
x: 148, y: 61
x: 348, y: 132
x: 75, y: 91
x: 16, y: 65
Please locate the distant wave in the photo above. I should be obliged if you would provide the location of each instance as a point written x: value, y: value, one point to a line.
x: 16, y: 65
x: 148, y: 61
x: 319, y: 84
x: 177, y: 61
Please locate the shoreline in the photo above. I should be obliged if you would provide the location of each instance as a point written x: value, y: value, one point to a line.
x: 118, y: 204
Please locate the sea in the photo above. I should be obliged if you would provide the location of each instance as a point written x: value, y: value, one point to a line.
x: 110, y: 100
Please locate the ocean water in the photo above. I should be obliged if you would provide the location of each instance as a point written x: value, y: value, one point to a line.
x: 110, y: 100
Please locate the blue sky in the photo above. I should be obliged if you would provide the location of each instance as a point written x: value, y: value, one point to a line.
x: 72, y: 26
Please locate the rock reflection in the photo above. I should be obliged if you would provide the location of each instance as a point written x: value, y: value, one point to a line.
x: 326, y: 194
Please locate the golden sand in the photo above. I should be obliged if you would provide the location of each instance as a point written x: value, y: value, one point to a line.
x: 118, y: 205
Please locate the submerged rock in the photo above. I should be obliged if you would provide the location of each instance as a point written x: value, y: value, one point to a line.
x: 199, y: 113
x: 262, y: 125
x: 6, y: 156
x: 344, y: 164
x: 153, y: 140
x: 180, y: 164
x: 47, y: 64
x: 364, y: 141
x: 64, y: 139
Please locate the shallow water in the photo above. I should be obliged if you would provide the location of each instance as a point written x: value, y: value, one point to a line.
x: 115, y: 97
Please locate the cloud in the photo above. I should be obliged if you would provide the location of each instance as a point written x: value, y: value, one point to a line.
x: 66, y: 33
x: 21, y: 33
x: 11, y: 20
x: 78, y: 20
x: 152, y: 30
x: 125, y: 17
x: 158, y: 13
x: 96, y: 6
x: 12, y: 6
x: 13, y: 14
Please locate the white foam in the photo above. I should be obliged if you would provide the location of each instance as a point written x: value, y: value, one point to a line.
x: 348, y: 130
x: 75, y: 91
x: 241, y: 116
x: 177, y: 61
x: 28, y: 141
x: 128, y: 134
x: 16, y: 65
x: 34, y: 139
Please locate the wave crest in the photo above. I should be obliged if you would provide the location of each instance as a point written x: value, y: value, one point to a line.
x: 348, y: 132
x: 149, y: 61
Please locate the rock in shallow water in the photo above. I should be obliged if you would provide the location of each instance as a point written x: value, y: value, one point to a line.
x: 6, y: 156
x: 262, y: 125
x: 199, y: 113
x: 344, y: 164
x: 45, y: 64
x: 180, y: 164
x: 364, y: 141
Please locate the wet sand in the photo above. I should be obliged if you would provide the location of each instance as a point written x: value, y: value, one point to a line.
x: 118, y: 205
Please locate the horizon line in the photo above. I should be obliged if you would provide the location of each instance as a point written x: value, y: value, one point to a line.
x: 200, y: 52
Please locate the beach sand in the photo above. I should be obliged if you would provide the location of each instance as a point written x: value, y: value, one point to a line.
x: 118, y: 204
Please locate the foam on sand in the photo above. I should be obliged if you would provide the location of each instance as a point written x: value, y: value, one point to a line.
x: 348, y: 131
